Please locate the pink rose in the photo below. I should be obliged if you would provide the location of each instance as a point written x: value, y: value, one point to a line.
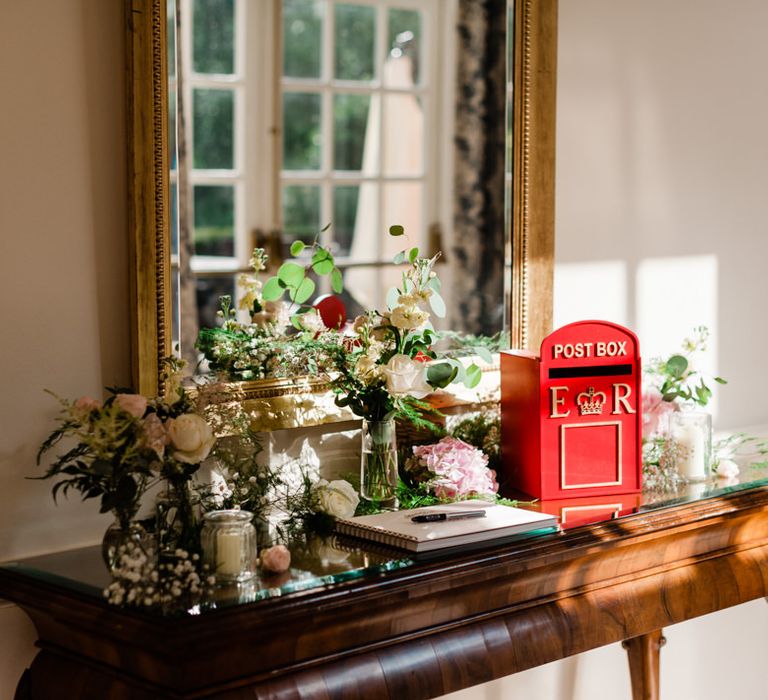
x: 276, y: 559
x: 155, y: 437
x: 135, y: 404
x: 84, y: 405
x: 656, y: 413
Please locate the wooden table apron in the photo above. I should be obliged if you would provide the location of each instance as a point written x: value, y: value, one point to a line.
x: 415, y: 633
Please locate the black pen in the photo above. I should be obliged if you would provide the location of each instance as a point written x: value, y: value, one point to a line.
x: 439, y: 517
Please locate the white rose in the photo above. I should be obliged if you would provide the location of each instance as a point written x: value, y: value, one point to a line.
x: 337, y: 498
x: 408, y: 317
x: 191, y: 438
x: 727, y: 469
x: 406, y: 377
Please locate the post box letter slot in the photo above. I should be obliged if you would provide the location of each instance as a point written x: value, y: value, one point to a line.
x: 593, y: 371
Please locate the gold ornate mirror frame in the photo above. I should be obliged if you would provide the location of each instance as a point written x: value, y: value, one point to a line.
x: 532, y: 205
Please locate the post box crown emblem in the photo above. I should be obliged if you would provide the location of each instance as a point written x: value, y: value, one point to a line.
x: 591, y: 402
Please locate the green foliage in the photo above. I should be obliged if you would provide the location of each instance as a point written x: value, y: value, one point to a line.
x: 482, y: 430
x: 293, y: 276
x: 674, y: 377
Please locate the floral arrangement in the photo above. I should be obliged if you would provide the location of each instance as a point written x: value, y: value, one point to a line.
x: 670, y: 385
x: 263, y: 347
x: 126, y: 443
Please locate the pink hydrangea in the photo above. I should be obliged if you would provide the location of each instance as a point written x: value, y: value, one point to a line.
x: 459, y: 469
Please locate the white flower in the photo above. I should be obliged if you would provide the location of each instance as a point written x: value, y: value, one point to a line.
x: 312, y: 322
x: 406, y: 377
x: 219, y: 488
x: 408, y: 317
x: 337, y: 498
x: 191, y: 438
x: 727, y: 469
x: 367, y: 369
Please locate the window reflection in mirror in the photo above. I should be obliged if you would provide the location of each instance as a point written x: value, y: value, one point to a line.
x: 288, y: 116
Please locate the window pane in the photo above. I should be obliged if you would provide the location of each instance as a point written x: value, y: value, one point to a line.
x: 213, y: 129
x: 403, y: 135
x: 367, y: 287
x: 213, y: 36
x: 354, y: 30
x: 350, y: 129
x: 355, y: 227
x: 403, y: 204
x: 402, y: 62
x: 301, y: 131
x: 209, y: 289
x: 302, y: 38
x: 171, y: 30
x: 301, y: 213
x: 214, y: 220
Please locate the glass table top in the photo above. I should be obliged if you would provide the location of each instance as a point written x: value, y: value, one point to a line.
x: 317, y: 563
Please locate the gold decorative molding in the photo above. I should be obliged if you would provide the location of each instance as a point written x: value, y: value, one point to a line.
x: 533, y: 171
x: 149, y: 233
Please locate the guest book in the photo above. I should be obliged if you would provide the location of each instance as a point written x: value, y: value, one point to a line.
x: 459, y: 527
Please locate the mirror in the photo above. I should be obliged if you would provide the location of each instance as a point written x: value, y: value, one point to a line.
x: 152, y: 211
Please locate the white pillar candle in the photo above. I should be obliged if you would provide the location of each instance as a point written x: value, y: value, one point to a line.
x: 229, y: 553
x: 692, y: 442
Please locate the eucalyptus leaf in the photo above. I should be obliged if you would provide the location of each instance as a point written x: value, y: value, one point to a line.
x: 437, y: 304
x: 483, y: 353
x: 396, y: 230
x: 473, y: 377
x: 297, y: 247
x: 676, y: 365
x: 304, y: 291
x: 291, y: 274
x: 273, y: 289
x: 399, y: 259
x: 337, y: 281
x: 392, y: 296
x: 441, y: 374
x: 413, y: 253
x: 323, y: 266
x: 434, y: 284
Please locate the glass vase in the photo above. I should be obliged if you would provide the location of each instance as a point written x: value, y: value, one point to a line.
x: 691, y: 432
x: 122, y: 534
x: 176, y: 520
x: 378, y: 463
x: 228, y: 539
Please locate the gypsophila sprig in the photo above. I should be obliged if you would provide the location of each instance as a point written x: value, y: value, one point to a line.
x: 173, y: 586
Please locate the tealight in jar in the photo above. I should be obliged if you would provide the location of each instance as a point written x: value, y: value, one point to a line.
x: 229, y: 544
x: 692, y: 433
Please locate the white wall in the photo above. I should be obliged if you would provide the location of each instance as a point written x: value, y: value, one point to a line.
x: 63, y: 260
x: 64, y: 307
x: 662, y: 180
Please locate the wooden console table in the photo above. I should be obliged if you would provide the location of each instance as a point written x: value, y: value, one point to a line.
x: 370, y: 627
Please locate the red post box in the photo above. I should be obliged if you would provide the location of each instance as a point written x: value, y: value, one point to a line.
x: 571, y: 419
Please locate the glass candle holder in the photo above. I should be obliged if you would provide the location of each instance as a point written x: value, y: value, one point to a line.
x: 692, y: 433
x: 229, y: 544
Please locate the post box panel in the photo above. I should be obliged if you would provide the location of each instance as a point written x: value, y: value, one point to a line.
x: 590, y: 410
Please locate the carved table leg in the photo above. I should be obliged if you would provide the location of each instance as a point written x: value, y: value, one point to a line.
x: 643, y: 653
